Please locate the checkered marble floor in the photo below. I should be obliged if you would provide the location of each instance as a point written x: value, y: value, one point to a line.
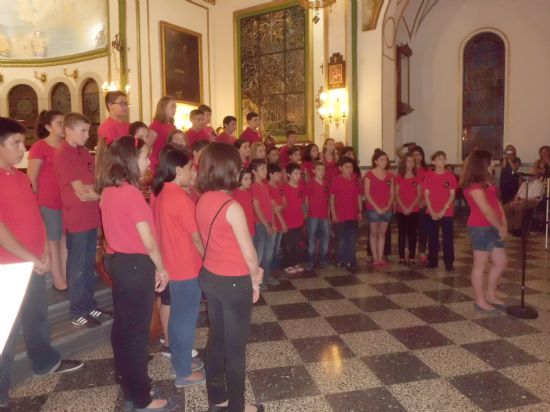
x: 398, y: 340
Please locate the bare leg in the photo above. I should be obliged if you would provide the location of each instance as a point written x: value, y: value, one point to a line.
x: 382, y: 227
x: 164, y: 317
x: 58, y: 274
x: 480, y: 261
x: 500, y: 260
x: 373, y: 240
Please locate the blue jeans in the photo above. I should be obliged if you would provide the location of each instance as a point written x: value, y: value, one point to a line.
x: 81, y: 247
x: 264, y: 248
x: 185, y: 299
x: 317, y: 229
x: 346, y: 233
x: 33, y: 320
x: 276, y: 261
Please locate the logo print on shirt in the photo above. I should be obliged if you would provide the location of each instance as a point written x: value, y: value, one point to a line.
x: 300, y: 194
x: 388, y: 183
x: 414, y: 183
x: 446, y: 184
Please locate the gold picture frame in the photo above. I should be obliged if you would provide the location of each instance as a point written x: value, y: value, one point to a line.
x: 336, y: 72
x: 181, y: 63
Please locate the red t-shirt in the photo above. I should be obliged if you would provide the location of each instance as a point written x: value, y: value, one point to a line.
x: 48, y: 191
x: 284, y: 158
x: 19, y: 212
x: 244, y: 197
x: 163, y: 130
x: 307, y: 168
x: 112, y: 130
x: 211, y: 132
x: 260, y: 192
x: 122, y: 208
x: 251, y: 136
x: 71, y: 164
x: 174, y: 213
x: 331, y: 170
x: 421, y: 176
x: 408, y: 190
x: 477, y: 218
x: 223, y: 254
x: 193, y: 135
x: 440, y: 186
x: 380, y: 189
x: 318, y: 197
x: 225, y: 138
x: 293, y: 213
x: 345, y: 191
x: 277, y: 195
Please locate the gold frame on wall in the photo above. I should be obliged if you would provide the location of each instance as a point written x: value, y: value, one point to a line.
x: 198, y: 36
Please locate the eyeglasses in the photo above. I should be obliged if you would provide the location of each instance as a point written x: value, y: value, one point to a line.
x: 122, y: 104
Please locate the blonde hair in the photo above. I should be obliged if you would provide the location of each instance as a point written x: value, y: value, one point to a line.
x: 254, y: 150
x: 160, y: 114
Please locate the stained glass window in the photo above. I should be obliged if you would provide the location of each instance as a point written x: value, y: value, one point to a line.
x: 273, y: 69
x: 483, y: 95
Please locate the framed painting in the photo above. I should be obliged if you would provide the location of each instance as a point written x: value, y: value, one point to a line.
x: 371, y: 12
x: 181, y: 63
x: 336, y: 72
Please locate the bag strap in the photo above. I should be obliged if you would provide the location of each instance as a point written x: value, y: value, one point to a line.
x: 212, y: 224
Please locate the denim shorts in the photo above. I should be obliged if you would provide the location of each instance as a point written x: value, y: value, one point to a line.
x: 378, y: 218
x: 485, y: 238
x: 54, y: 223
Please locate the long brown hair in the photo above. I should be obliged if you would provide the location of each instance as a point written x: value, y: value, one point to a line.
x: 476, y: 169
x: 120, y: 164
x: 160, y: 113
x: 402, y: 168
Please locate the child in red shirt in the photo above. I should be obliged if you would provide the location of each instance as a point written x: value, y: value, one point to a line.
x: 197, y: 130
x: 115, y: 125
x: 318, y: 224
x: 407, y: 195
x: 229, y: 127
x: 293, y: 214
x: 330, y: 158
x: 23, y: 239
x: 74, y: 171
x: 251, y: 133
x: 177, y: 139
x: 422, y: 171
x: 273, y: 155
x: 274, y: 176
x: 379, y: 191
x: 244, y: 151
x: 439, y: 190
x: 243, y: 195
x: 163, y: 125
x: 207, y: 119
x: 49, y: 130
x: 263, y: 212
x: 291, y: 138
x: 182, y: 250
x: 311, y: 155
x: 345, y: 209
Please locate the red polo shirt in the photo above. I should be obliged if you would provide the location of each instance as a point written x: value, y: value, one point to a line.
x: 293, y: 213
x: 193, y: 135
x: 345, y: 191
x: 19, y: 212
x: 251, y: 136
x: 440, y: 186
x: 112, y: 129
x: 318, y: 198
x: 71, y: 164
x: 225, y: 138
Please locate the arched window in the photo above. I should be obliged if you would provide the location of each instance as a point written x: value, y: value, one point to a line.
x: 61, y: 98
x: 90, y: 109
x: 483, y: 94
x: 23, y: 107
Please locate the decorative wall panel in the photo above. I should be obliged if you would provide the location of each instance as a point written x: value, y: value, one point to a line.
x: 23, y: 107
x: 483, y: 94
x: 61, y: 98
x: 273, y: 69
x: 90, y: 109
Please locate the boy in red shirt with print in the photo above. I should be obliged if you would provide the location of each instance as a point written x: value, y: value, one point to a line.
x: 251, y: 133
x: 291, y: 138
x: 275, y: 177
x: 229, y: 127
x: 197, y: 130
x: 293, y: 215
x: 23, y: 239
x: 439, y: 188
x: 318, y: 224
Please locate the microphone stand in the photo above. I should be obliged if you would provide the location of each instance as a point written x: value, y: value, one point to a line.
x: 521, y: 311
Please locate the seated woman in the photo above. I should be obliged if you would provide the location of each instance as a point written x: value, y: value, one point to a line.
x: 522, y: 203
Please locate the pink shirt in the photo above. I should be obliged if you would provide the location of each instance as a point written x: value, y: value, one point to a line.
x: 346, y: 191
x: 163, y: 130
x: 260, y: 192
x: 122, y: 208
x: 380, y: 189
x: 318, y: 199
x: 277, y: 195
x: 251, y: 136
x: 408, y: 190
x: 223, y: 254
x: 244, y: 197
x: 48, y: 190
x: 477, y: 218
x: 440, y: 186
x: 225, y: 138
x: 112, y: 130
x: 293, y: 213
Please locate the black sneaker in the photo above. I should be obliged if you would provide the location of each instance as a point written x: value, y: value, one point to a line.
x: 449, y: 268
x: 101, y: 313
x: 86, y: 321
x: 165, y: 351
x: 68, y: 365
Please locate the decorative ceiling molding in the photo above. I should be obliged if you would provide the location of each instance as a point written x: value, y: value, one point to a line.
x: 212, y: 2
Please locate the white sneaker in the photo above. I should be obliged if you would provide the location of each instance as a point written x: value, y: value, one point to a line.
x: 194, y: 353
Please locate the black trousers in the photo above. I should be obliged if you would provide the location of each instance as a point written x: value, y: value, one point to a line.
x: 290, y: 244
x: 423, y: 230
x: 133, y: 294
x: 446, y: 224
x: 229, y: 303
x: 407, y: 227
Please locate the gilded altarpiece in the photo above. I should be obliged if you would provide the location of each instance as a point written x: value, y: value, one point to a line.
x: 273, y: 69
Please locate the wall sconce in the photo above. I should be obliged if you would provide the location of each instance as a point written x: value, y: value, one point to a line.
x: 332, y: 106
x: 43, y: 77
x: 72, y: 75
x: 118, y: 43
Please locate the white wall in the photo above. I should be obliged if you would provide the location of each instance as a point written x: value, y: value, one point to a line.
x: 436, y: 73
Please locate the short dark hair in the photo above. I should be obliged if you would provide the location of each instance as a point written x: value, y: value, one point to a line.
x: 251, y: 116
x: 256, y: 163
x: 135, y: 126
x: 239, y: 142
x: 170, y: 138
x: 170, y: 158
x: 378, y: 153
x: 273, y: 168
x: 110, y: 97
x: 439, y: 153
x: 198, y: 145
x: 229, y: 119
x: 344, y: 160
x: 293, y: 150
x: 45, y: 118
x: 244, y: 171
x: 219, y: 168
x: 290, y: 132
x: 291, y: 167
x: 204, y: 108
x: 10, y: 127
x: 73, y: 118
x: 195, y: 112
